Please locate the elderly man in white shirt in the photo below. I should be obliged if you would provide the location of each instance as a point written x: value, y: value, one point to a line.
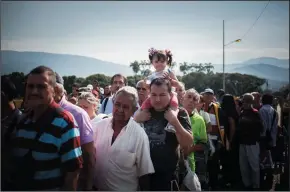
x: 123, y: 159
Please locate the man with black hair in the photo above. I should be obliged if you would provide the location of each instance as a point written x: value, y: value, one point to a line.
x: 220, y: 94
x: 107, y: 93
x: 164, y: 145
x: 117, y: 81
x: 269, y: 118
x: 46, y: 149
x: 75, y: 91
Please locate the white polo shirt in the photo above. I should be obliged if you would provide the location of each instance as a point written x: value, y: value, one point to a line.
x: 119, y: 166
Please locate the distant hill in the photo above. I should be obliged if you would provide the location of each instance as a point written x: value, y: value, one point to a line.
x: 284, y: 63
x: 276, y: 76
x: 273, y: 69
x: 264, y: 70
x: 80, y: 66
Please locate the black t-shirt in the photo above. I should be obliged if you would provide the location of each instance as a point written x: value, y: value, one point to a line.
x: 164, y: 145
x: 8, y: 130
x: 250, y: 127
x: 8, y: 126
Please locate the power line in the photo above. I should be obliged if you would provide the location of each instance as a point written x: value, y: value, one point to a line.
x: 255, y: 21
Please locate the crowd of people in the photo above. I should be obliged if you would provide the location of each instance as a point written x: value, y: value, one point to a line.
x: 126, y: 138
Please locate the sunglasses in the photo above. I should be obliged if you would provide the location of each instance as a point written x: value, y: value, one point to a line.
x: 141, y: 88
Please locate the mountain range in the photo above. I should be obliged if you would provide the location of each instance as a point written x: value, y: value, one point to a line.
x: 276, y: 71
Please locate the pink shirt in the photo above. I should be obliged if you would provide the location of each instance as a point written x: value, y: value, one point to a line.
x: 82, y: 120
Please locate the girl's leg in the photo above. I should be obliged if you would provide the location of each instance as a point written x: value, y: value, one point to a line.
x: 146, y: 104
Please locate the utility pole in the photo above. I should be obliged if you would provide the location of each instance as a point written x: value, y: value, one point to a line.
x: 224, y: 75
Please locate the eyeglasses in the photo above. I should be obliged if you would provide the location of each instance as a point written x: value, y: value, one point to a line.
x: 141, y: 88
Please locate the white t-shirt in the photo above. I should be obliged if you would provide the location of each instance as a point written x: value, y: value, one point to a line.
x: 155, y: 75
x: 205, y: 116
x: 98, y: 118
x: 119, y: 165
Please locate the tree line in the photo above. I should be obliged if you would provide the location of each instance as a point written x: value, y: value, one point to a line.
x: 198, y: 76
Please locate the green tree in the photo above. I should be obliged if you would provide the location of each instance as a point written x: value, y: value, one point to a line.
x: 101, y: 78
x: 18, y: 80
x: 236, y: 84
x: 208, y: 68
x: 185, y: 67
x: 68, y: 82
x: 132, y: 80
x: 199, y: 67
x: 135, y: 67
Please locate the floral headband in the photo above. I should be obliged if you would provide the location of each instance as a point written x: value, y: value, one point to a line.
x: 152, y: 51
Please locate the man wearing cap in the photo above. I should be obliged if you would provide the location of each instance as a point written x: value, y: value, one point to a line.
x: 90, y: 87
x: 86, y: 133
x: 215, y: 137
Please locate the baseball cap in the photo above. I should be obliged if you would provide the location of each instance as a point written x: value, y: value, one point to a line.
x: 208, y: 90
x: 102, y: 90
x: 90, y: 86
x: 59, y: 79
x: 220, y: 92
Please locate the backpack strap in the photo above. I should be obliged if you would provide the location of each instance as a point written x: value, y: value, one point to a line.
x: 105, y: 104
x: 221, y: 130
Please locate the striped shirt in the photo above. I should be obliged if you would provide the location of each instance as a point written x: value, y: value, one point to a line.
x: 56, y: 152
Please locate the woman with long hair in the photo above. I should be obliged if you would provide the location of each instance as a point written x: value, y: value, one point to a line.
x: 230, y: 158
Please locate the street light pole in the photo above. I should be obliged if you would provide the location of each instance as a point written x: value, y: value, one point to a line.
x: 224, y: 45
x: 224, y: 75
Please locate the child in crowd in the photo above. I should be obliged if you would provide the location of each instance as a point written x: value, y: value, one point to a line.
x: 161, y: 61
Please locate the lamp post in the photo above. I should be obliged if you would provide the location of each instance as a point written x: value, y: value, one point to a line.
x: 224, y: 45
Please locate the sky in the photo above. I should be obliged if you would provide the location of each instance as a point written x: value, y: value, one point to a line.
x: 122, y: 32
